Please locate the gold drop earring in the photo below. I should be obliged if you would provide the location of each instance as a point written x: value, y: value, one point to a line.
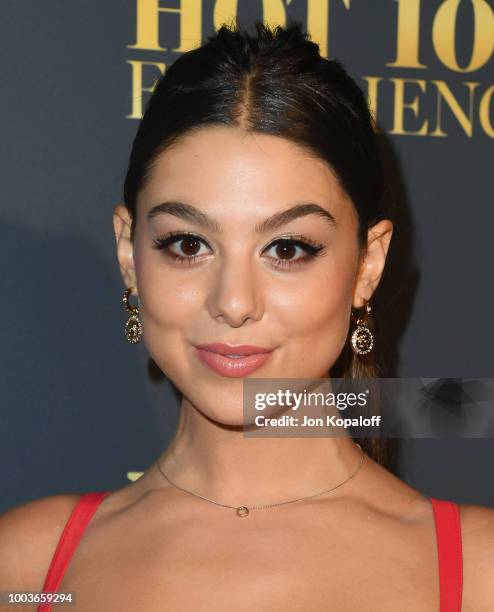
x: 362, y: 339
x: 133, y: 327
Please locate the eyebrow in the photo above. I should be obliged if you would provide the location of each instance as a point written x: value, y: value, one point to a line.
x: 187, y: 212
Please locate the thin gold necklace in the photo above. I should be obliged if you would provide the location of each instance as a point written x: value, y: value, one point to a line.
x: 243, y: 511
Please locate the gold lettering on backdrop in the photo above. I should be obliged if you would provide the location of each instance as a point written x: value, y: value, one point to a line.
x: 484, y: 108
x: 408, y: 35
x: 444, y: 34
x: 133, y: 476
x: 318, y: 20
x: 444, y: 31
x: 138, y: 87
x: 400, y: 105
x: 318, y: 23
x: 148, y: 14
x: 444, y: 92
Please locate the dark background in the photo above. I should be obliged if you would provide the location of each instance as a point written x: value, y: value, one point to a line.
x: 80, y: 409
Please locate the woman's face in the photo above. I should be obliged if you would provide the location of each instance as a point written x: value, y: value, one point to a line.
x: 232, y: 281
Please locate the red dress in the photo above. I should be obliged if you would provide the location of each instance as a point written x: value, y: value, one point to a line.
x: 446, y: 521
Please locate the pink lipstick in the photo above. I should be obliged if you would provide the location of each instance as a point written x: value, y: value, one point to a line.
x: 233, y: 360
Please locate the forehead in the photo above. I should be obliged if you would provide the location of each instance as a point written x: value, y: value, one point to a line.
x: 225, y: 168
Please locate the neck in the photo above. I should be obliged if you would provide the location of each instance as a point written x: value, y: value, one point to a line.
x: 220, y: 463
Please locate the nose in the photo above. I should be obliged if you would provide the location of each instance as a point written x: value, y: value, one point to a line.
x: 235, y: 295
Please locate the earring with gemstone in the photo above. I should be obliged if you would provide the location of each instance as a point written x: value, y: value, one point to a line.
x: 362, y: 339
x: 133, y: 327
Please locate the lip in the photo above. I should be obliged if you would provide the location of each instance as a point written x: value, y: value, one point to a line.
x: 233, y: 349
x: 233, y: 367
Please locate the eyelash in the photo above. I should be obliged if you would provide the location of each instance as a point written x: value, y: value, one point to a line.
x: 312, y: 249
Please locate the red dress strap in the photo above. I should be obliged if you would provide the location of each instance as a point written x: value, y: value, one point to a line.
x: 79, y: 519
x: 449, y: 548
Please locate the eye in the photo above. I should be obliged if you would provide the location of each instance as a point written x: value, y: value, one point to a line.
x: 189, y: 244
x: 285, y: 249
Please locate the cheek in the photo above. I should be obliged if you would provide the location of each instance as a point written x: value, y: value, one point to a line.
x: 169, y: 298
x: 315, y: 317
x: 168, y: 305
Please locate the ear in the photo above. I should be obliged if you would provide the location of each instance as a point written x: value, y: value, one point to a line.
x: 125, y: 251
x: 372, y: 263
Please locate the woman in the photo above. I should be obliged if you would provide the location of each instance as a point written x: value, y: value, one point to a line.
x: 253, y: 224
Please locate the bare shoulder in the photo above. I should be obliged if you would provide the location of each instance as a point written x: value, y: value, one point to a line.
x: 477, y: 534
x: 29, y: 534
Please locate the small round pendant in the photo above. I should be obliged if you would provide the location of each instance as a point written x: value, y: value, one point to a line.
x: 362, y: 340
x: 242, y: 511
x: 133, y: 329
